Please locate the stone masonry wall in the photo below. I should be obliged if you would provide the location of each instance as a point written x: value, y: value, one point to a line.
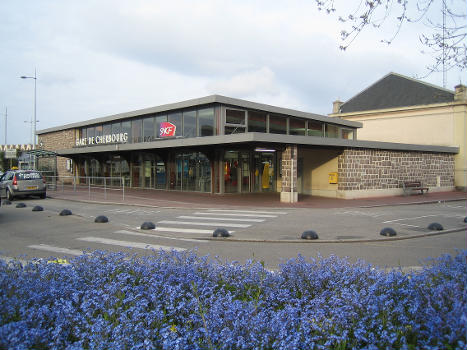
x: 59, y: 140
x: 369, y: 169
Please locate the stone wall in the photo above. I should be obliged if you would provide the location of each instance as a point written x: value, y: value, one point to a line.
x: 372, y: 169
x: 59, y: 140
x: 289, y: 175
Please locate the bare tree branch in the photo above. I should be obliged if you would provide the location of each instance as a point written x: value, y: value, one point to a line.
x: 445, y: 40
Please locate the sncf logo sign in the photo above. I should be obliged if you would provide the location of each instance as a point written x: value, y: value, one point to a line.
x: 167, y: 129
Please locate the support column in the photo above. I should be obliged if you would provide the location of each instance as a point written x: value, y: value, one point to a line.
x: 289, y: 175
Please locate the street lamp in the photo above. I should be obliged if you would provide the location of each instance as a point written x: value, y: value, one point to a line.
x: 35, y: 120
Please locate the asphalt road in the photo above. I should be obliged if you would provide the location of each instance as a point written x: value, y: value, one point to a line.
x: 269, y: 235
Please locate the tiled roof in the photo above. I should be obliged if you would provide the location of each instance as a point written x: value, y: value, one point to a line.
x: 395, y: 90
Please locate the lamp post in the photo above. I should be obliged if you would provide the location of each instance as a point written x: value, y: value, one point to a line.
x: 35, y: 120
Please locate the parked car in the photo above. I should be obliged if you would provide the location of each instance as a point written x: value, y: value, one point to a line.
x: 15, y: 183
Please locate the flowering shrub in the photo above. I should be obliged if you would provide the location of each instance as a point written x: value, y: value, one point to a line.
x: 176, y: 300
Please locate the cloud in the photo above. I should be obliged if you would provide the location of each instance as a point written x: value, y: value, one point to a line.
x: 246, y: 84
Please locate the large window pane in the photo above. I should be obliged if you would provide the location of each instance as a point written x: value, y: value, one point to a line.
x: 234, y: 116
x: 116, y: 128
x: 157, y: 124
x: 206, y: 122
x: 277, y: 124
x: 332, y: 131
x: 91, y: 132
x: 107, y: 129
x: 189, y: 124
x: 296, y: 126
x: 256, y: 121
x: 126, y: 130
x: 315, y: 128
x: 98, y: 130
x: 148, y: 129
x: 176, y: 119
x: 136, y: 130
x: 348, y: 134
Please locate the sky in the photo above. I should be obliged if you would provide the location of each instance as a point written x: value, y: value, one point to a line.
x: 97, y: 58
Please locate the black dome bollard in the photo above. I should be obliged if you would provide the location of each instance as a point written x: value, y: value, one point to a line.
x: 388, y: 231
x: 101, y: 219
x: 65, y: 212
x: 148, y: 225
x: 6, y: 202
x: 435, y: 226
x: 220, y: 232
x: 309, y: 235
x: 20, y: 205
x: 37, y: 208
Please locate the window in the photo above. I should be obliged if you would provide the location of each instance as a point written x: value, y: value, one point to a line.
x: 315, y: 128
x: 98, y: 130
x: 206, y: 122
x: 332, y: 131
x: 136, y: 130
x: 234, y: 121
x: 189, y: 124
x: 157, y: 124
x: 348, y: 134
x: 277, y: 124
x: 256, y: 121
x: 83, y: 133
x: 176, y: 119
x: 148, y: 129
x: 116, y: 128
x: 235, y: 116
x: 126, y: 130
x: 90, y: 132
x: 107, y: 129
x: 296, y: 126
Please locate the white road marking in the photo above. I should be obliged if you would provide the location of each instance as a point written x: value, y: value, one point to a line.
x: 184, y: 230
x: 222, y: 224
x: 60, y: 250
x: 139, y: 245
x: 408, y: 225
x: 229, y: 219
x: 132, y: 233
x: 246, y: 215
x: 417, y: 217
x: 247, y: 211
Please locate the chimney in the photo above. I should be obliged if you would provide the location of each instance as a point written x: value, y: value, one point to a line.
x: 460, y: 93
x: 336, y: 106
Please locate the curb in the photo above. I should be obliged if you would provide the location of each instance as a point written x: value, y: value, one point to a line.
x: 298, y: 241
x: 192, y: 205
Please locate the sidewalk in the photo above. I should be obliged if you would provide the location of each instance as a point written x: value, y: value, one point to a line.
x: 173, y: 199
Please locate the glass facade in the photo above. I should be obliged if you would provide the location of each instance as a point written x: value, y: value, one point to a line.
x: 257, y: 121
x: 209, y: 121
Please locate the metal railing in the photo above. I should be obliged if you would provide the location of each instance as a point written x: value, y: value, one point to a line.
x: 92, y: 185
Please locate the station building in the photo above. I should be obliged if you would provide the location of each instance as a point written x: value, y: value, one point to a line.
x: 223, y: 145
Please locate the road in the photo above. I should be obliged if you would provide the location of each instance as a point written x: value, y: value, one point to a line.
x: 269, y: 235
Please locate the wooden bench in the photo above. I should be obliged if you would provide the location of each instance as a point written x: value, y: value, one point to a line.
x: 413, y: 186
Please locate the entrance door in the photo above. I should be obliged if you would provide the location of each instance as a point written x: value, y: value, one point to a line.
x: 264, y: 176
x: 236, y: 172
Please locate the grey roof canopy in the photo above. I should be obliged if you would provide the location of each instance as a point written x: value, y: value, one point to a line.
x: 395, y: 90
x: 208, y: 100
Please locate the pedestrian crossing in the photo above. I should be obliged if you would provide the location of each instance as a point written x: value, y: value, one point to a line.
x: 215, y: 218
x: 198, y: 224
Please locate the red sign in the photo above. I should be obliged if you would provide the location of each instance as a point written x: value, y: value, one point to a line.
x: 167, y: 129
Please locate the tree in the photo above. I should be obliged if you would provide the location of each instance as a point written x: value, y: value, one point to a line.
x: 445, y: 21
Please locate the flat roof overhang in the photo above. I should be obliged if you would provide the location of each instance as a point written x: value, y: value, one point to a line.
x: 203, y: 101
x: 253, y: 137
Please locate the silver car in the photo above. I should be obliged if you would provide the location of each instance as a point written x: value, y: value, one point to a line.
x: 15, y: 183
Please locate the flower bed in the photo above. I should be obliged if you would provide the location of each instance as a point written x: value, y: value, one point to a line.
x: 181, y: 301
